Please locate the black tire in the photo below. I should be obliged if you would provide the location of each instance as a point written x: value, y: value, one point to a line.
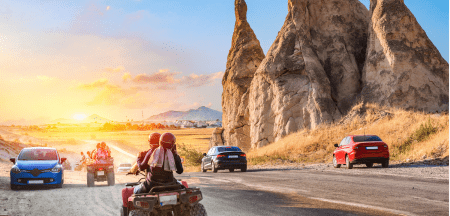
x: 213, y: 167
x: 244, y: 169
x: 14, y: 187
x: 90, y: 180
x: 385, y: 164
x: 335, y: 164
x: 137, y: 213
x: 59, y: 185
x: 347, y: 162
x: 203, y: 167
x: 369, y: 165
x: 231, y: 170
x: 197, y: 210
x: 111, y: 179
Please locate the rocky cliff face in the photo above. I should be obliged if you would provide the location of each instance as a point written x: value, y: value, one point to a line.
x: 244, y: 58
x: 329, y: 55
x: 311, y: 71
x: 403, y: 68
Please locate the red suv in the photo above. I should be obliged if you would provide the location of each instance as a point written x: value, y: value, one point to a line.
x: 361, y: 149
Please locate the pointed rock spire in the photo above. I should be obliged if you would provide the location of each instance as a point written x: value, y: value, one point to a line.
x: 244, y: 57
x: 403, y: 68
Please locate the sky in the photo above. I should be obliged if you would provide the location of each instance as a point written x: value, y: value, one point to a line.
x: 122, y: 58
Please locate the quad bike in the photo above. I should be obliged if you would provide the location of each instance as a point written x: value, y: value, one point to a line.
x: 101, y: 170
x: 175, y: 199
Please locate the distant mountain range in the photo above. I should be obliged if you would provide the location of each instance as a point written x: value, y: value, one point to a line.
x: 201, y: 114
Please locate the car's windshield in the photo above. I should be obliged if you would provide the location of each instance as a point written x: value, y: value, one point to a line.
x: 366, y: 138
x: 38, y: 154
x: 227, y: 149
x: 125, y: 165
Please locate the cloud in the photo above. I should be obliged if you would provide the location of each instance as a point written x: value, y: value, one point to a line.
x: 126, y: 77
x: 45, y: 78
x: 115, y: 70
x: 96, y: 84
x: 194, y: 80
x: 108, y: 7
x: 209, y: 105
x: 162, y: 76
x: 113, y: 95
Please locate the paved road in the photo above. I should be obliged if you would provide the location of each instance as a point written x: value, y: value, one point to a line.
x: 296, y: 192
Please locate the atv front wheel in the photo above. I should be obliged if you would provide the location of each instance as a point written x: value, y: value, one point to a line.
x: 111, y: 179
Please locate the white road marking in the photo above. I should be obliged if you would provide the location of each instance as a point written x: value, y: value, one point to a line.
x: 121, y: 150
x: 430, y: 200
x: 364, y: 206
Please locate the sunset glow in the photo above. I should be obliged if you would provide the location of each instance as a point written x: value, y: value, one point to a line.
x: 79, y: 117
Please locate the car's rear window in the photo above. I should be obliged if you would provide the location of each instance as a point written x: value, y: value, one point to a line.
x: 38, y: 154
x: 366, y: 138
x: 227, y: 149
x: 125, y: 165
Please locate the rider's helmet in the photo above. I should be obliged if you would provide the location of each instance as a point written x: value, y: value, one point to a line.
x: 82, y: 153
x: 98, y: 145
x: 103, y: 145
x: 167, y: 140
x: 153, y: 139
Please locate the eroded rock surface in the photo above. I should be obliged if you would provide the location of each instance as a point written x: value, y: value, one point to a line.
x: 403, y: 68
x: 216, y: 138
x: 311, y: 72
x: 244, y: 58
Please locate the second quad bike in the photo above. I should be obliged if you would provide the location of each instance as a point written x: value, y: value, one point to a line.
x: 175, y: 199
x: 100, y: 170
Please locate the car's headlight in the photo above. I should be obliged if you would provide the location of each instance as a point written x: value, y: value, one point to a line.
x: 15, y: 169
x: 56, y: 169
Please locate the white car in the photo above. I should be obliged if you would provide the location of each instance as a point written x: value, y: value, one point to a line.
x: 124, y: 167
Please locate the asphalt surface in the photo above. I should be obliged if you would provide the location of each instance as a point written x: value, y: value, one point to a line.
x: 269, y: 192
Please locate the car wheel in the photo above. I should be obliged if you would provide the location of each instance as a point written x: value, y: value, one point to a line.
x: 385, y: 164
x: 244, y: 169
x: 335, y: 164
x: 213, y: 167
x: 369, y: 165
x: 203, y: 167
x: 347, y: 161
x: 90, y: 180
x: 231, y: 170
x: 14, y: 187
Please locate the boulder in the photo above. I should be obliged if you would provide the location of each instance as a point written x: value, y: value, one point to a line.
x: 216, y: 138
x: 311, y: 73
x: 403, y: 68
x: 243, y: 59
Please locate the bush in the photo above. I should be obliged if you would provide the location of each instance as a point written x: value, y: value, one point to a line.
x: 193, y: 156
x: 422, y: 133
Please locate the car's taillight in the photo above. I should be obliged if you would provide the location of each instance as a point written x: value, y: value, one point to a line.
x: 220, y: 155
x: 194, y: 198
x: 242, y: 155
x: 100, y: 168
x: 385, y: 146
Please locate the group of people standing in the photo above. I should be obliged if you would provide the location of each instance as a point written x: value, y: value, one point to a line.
x: 101, y: 151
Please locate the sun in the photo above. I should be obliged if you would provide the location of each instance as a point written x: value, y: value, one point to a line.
x: 79, y: 117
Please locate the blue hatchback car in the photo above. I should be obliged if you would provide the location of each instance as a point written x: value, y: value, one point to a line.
x: 37, y: 166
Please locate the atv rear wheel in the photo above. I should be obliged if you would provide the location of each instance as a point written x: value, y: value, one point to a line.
x: 197, y: 210
x: 137, y: 213
x: 90, y: 180
x: 111, y: 179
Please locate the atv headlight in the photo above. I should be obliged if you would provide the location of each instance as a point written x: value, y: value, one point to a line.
x: 15, y: 169
x: 56, y: 169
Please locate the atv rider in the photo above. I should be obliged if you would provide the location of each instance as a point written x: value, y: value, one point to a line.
x: 105, y: 148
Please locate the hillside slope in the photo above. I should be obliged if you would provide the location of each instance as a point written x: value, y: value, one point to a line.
x: 410, y: 135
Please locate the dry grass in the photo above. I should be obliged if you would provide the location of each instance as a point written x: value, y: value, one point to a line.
x: 407, y: 134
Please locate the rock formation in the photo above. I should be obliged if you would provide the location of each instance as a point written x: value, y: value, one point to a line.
x: 311, y: 72
x: 403, y: 68
x: 244, y: 58
x: 216, y: 138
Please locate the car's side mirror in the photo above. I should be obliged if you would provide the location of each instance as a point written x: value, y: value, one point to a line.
x: 336, y: 145
x: 13, y: 160
x: 204, y: 154
x: 63, y: 160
